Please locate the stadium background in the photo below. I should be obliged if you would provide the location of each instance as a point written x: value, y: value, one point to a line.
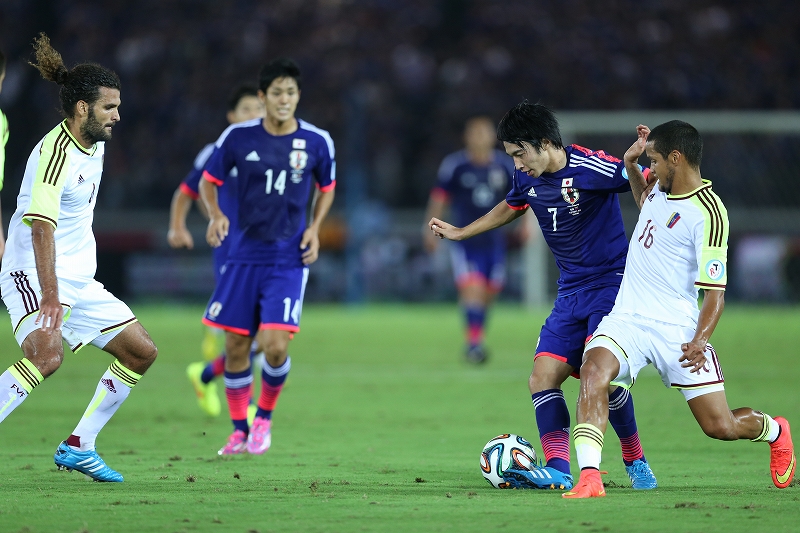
x: 393, y: 83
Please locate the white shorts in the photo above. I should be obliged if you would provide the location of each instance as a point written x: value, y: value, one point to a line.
x: 92, y: 315
x: 637, y: 341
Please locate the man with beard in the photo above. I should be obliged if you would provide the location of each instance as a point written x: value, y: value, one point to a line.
x: 47, y: 279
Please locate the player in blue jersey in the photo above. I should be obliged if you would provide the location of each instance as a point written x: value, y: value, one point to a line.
x: 471, y: 181
x: 243, y: 105
x: 573, y: 193
x: 260, y: 293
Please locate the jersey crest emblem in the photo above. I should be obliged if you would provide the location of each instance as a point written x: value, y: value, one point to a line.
x: 715, y: 269
x: 570, y: 195
x: 673, y: 219
x: 298, y: 159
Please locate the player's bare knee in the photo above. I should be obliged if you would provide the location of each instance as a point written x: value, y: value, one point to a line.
x: 276, y: 351
x: 595, y: 375
x: 45, y: 351
x: 720, y: 429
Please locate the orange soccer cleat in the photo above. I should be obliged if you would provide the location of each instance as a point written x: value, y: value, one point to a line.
x: 781, y: 460
x: 590, y: 485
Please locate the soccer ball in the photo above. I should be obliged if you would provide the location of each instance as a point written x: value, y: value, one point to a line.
x: 500, y: 453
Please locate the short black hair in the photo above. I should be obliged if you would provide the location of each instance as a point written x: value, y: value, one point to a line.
x: 240, y: 92
x: 279, y: 68
x: 528, y: 123
x: 680, y: 136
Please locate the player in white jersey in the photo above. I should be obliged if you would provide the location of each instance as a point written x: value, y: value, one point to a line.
x: 3, y: 141
x: 678, y: 247
x: 47, y: 279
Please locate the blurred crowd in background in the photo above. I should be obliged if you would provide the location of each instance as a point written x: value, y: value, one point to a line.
x: 403, y: 74
x: 393, y: 81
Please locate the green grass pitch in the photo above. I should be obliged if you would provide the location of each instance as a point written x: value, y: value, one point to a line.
x: 379, y: 428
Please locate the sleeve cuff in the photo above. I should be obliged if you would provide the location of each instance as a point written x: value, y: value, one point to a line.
x: 517, y: 207
x: 188, y: 191
x: 212, y: 179
x: 326, y: 188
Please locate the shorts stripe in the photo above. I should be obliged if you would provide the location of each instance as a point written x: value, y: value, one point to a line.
x: 28, y: 295
x: 115, y: 326
x: 283, y: 327
x: 548, y: 354
x: 239, y: 331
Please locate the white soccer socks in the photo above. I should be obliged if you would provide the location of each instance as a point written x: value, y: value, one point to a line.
x: 588, y: 445
x: 113, y: 388
x: 15, y: 385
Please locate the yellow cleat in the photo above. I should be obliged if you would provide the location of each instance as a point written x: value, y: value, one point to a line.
x: 210, y: 346
x: 206, y: 393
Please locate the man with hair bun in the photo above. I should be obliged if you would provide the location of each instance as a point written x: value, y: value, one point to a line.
x: 47, y: 279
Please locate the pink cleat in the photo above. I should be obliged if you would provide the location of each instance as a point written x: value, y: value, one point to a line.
x: 237, y: 443
x: 260, y: 436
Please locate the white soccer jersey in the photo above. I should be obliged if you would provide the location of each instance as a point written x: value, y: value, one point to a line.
x: 680, y: 245
x: 59, y: 187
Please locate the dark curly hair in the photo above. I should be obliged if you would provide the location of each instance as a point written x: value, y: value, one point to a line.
x: 82, y: 82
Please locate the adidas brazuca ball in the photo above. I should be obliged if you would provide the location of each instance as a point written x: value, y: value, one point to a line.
x: 500, y: 453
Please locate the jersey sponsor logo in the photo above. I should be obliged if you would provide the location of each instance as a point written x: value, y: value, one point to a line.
x: 214, y: 309
x: 650, y: 198
x: 673, y: 219
x: 570, y: 195
x: 298, y: 159
x: 109, y: 385
x: 715, y: 269
x: 531, y: 192
x: 252, y: 156
x: 80, y: 179
x: 299, y: 144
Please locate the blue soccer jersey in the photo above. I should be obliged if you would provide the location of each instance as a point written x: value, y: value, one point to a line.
x: 473, y: 190
x: 190, y: 186
x: 578, y: 212
x: 272, y: 187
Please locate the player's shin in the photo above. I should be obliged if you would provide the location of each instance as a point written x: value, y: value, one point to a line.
x: 16, y: 383
x: 113, y: 389
x: 622, y: 419
x: 238, y: 390
x: 552, y: 420
x: 272, y: 380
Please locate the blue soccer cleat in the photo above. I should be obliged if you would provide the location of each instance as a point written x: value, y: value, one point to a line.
x: 537, y: 477
x: 88, y: 463
x: 641, y: 476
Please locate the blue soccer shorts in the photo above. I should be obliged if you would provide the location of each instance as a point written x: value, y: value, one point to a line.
x: 478, y: 265
x: 249, y: 298
x: 572, y: 321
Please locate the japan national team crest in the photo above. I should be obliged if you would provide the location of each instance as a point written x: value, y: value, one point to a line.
x: 570, y: 195
x: 298, y: 159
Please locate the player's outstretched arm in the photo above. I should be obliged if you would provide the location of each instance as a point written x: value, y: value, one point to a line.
x: 310, y: 241
x: 635, y: 177
x: 218, y: 223
x: 178, y: 236
x: 694, y: 351
x: 51, y: 313
x: 500, y: 215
